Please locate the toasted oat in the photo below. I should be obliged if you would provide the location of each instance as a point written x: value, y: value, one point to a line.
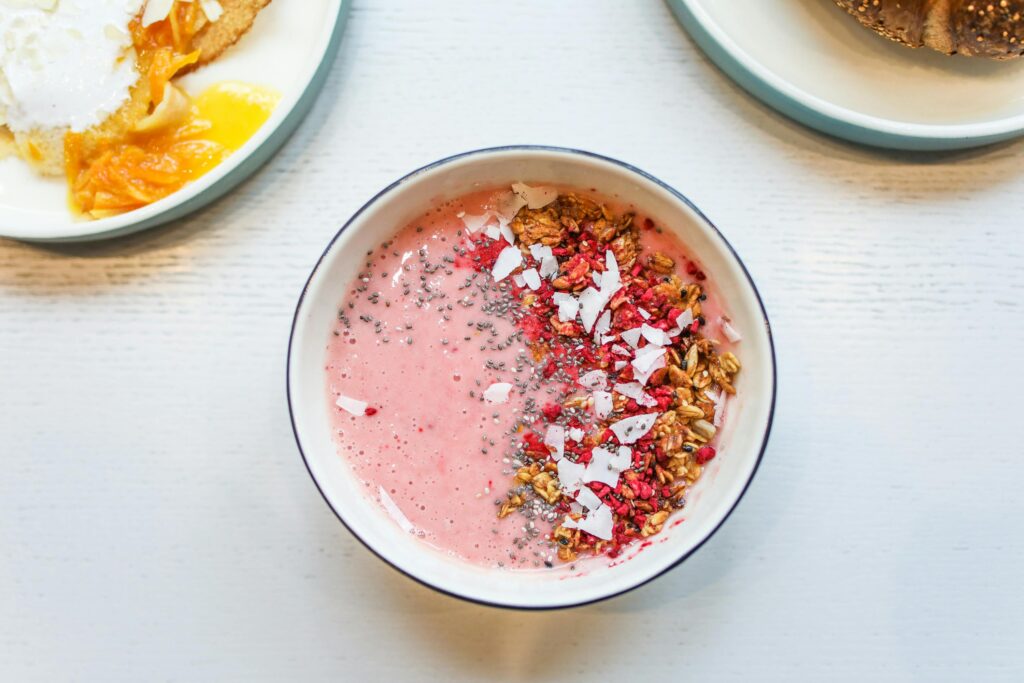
x: 661, y: 263
x: 511, y: 505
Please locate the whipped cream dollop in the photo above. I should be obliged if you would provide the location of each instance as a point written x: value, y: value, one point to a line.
x: 64, y: 63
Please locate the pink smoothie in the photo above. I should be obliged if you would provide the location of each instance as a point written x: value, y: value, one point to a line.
x: 415, y: 344
x: 420, y: 338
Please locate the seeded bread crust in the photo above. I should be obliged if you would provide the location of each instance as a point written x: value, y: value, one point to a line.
x: 902, y: 21
x: 976, y: 28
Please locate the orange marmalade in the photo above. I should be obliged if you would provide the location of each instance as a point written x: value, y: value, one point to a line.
x: 176, y: 140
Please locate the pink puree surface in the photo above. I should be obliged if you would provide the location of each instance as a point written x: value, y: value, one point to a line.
x: 438, y: 452
x: 425, y: 446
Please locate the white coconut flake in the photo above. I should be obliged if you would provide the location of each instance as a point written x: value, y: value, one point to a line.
x: 611, y: 264
x: 643, y: 314
x: 635, y: 391
x: 646, y: 357
x: 598, y: 523
x: 532, y: 278
x: 623, y: 459
x: 549, y: 266
x: 539, y: 251
x: 602, y: 403
x: 596, y: 277
x: 621, y: 350
x: 642, y: 377
x: 631, y: 390
x: 568, y: 306
x: 576, y: 434
x: 632, y: 337
x: 603, y: 324
x: 730, y: 332
x: 712, y: 395
x: 493, y: 231
x: 507, y: 233
x: 156, y: 10
x: 719, y: 399
x: 509, y: 205
x: 497, y: 392
x: 394, y: 511
x: 619, y: 364
x: 591, y: 303
x: 536, y: 197
x: 600, y: 468
x: 548, y: 262
x: 632, y: 429
x: 508, y: 260
x: 647, y: 401
x: 595, y: 379
x: 683, y: 321
x: 519, y: 280
x: 555, y: 438
x: 611, y: 281
x: 475, y: 223
x: 655, y: 336
x: 351, y: 405
x: 570, y: 474
x: 570, y: 523
x: 212, y: 9
x: 588, y: 499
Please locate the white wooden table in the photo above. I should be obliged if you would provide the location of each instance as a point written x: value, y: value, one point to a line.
x: 156, y: 522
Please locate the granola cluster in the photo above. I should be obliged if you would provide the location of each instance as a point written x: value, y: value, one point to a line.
x: 636, y: 389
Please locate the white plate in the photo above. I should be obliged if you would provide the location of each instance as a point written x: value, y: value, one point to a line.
x: 813, y: 62
x: 290, y: 48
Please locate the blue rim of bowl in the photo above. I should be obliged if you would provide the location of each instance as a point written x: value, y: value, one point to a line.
x: 568, y: 152
x: 814, y: 117
x: 246, y: 167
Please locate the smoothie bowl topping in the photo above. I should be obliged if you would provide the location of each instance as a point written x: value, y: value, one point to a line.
x: 525, y: 376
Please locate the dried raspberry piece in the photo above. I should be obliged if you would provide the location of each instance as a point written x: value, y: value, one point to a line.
x: 551, y: 411
x: 487, y: 251
x: 534, y: 327
x: 534, y: 446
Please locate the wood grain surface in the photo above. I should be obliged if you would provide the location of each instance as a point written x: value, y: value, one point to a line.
x: 156, y: 520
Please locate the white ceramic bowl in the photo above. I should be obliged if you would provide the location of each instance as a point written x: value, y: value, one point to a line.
x: 743, y: 439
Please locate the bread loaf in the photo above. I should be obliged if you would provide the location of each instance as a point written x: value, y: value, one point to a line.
x: 977, y: 28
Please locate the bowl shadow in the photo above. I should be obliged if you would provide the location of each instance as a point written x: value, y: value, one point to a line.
x: 518, y: 645
x: 513, y: 645
x: 85, y: 268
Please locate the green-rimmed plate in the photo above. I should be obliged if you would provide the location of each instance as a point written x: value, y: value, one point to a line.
x: 290, y: 48
x: 816, y: 64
